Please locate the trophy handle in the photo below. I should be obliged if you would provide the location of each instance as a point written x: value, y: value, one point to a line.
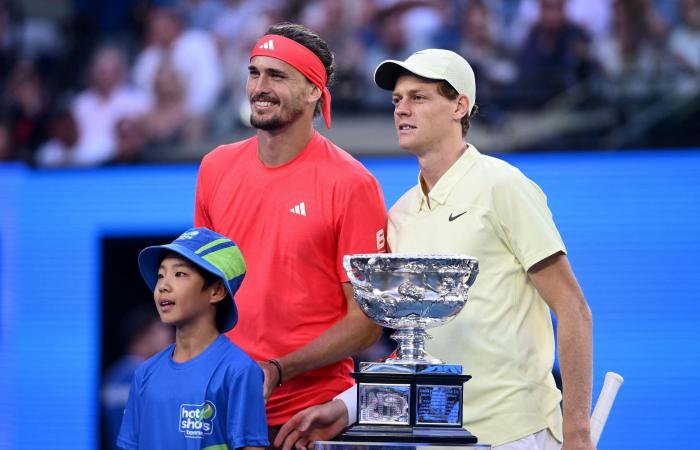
x: 352, y: 273
x: 473, y: 272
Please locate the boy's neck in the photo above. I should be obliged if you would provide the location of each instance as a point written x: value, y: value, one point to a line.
x: 190, y: 342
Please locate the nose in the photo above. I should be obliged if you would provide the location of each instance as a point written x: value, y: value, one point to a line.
x: 258, y: 85
x: 401, y: 108
x: 162, y: 285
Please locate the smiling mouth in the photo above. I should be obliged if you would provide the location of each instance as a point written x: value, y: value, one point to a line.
x: 406, y: 127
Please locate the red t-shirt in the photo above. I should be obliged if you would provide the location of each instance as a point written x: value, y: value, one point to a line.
x: 293, y: 224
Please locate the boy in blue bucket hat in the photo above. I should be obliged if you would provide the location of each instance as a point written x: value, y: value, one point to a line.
x: 202, y: 391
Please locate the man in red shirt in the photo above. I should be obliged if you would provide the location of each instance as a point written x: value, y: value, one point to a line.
x: 296, y: 204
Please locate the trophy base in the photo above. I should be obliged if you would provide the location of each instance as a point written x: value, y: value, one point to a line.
x: 403, y: 434
x: 409, y: 403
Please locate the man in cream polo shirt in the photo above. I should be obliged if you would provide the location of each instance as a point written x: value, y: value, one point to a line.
x: 466, y: 202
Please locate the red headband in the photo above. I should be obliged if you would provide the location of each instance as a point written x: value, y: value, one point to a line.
x: 302, y: 59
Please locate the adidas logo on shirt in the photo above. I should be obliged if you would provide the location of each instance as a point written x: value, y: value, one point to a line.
x: 299, y: 209
x: 269, y: 45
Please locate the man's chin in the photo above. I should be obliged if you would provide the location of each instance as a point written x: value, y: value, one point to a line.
x: 407, y: 145
x: 266, y: 124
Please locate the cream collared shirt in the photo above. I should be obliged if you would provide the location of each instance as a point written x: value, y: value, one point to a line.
x: 503, y: 337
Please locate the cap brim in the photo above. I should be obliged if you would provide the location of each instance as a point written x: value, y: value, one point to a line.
x: 149, y: 260
x: 386, y: 73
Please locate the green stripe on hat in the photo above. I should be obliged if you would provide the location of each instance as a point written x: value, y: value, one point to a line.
x: 211, y: 244
x: 229, y: 260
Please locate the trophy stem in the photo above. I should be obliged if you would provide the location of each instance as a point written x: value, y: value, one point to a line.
x: 411, y: 347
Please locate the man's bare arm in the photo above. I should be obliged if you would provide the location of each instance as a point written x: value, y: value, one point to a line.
x: 556, y: 283
x: 353, y: 333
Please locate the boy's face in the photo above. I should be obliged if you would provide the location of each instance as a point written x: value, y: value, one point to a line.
x: 180, y: 296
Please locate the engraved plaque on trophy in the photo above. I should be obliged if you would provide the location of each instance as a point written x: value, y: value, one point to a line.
x: 411, y: 397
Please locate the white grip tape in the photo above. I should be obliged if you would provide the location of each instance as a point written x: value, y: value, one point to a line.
x: 611, y: 385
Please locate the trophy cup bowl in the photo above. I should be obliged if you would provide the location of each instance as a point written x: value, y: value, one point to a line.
x: 411, y: 293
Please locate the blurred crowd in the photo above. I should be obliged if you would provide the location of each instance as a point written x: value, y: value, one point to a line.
x: 96, y: 82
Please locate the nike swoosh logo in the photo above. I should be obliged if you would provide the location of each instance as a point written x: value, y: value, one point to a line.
x: 451, y: 218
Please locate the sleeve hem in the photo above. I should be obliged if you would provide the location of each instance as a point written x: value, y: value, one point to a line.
x: 251, y: 442
x: 542, y: 256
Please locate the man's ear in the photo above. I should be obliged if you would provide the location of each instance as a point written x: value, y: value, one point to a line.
x: 315, y: 94
x: 217, y: 292
x: 461, y: 107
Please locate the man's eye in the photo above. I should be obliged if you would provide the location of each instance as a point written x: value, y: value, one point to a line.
x: 180, y: 274
x: 160, y: 275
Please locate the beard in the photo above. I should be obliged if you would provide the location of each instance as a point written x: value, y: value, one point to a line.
x: 285, y: 116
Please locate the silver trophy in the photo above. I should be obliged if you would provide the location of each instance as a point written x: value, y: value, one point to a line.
x: 410, y: 397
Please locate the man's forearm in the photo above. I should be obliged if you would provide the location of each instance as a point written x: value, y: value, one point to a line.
x: 353, y: 333
x: 557, y: 285
x: 575, y: 361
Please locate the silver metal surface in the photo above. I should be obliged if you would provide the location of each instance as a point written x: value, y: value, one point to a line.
x: 411, y: 293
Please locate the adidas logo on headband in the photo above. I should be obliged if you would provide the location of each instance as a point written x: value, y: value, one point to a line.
x: 269, y: 45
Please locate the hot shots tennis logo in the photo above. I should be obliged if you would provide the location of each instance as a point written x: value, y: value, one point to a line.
x: 197, y: 420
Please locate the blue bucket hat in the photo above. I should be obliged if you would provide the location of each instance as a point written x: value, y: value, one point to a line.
x: 209, y: 251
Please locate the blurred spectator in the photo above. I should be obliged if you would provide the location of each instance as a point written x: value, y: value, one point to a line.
x: 337, y: 23
x: 492, y: 62
x: 241, y: 21
x: 634, y: 55
x: 131, y: 141
x: 684, y: 42
x: 42, y: 27
x: 389, y: 41
x: 60, y: 149
x: 192, y: 52
x: 554, y: 57
x: 98, y: 109
x: 201, y: 13
x: 5, y: 142
x: 27, y: 110
x: 9, y: 39
x: 168, y: 121
x: 146, y: 335
x: 423, y: 20
x: 595, y: 16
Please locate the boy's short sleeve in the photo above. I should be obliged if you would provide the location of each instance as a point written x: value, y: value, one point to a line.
x: 128, y: 433
x: 247, y: 422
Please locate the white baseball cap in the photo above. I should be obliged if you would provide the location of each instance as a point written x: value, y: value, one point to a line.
x: 434, y: 64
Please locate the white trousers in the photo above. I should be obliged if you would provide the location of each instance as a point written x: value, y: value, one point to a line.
x: 542, y: 440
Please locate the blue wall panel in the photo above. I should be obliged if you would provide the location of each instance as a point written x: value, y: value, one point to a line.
x: 630, y: 222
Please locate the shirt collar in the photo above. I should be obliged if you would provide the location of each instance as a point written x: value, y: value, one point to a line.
x: 439, y: 193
